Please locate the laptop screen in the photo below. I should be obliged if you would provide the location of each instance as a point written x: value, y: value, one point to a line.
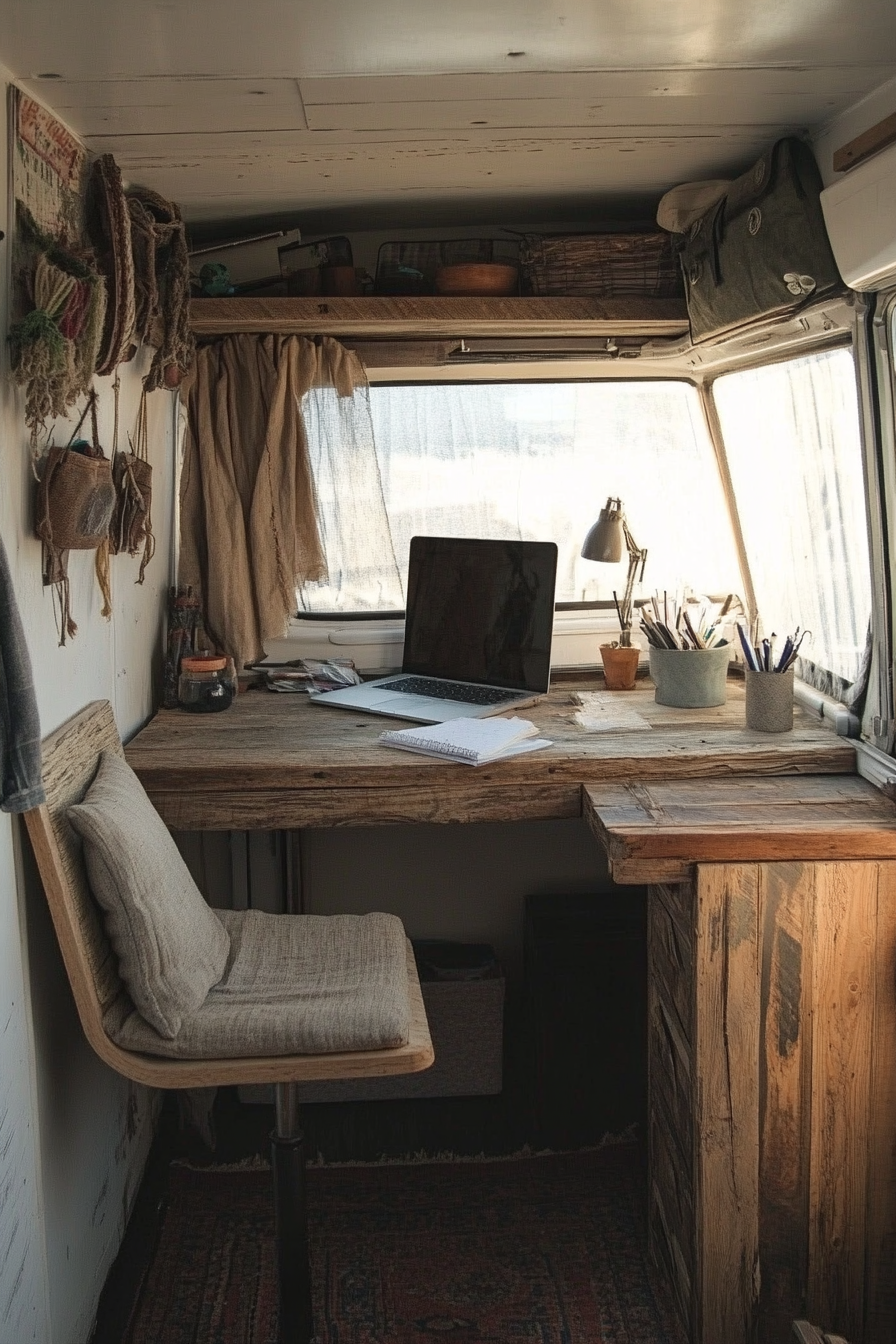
x: 481, y: 611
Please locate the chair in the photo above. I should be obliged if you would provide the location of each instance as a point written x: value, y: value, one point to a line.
x: 70, y: 759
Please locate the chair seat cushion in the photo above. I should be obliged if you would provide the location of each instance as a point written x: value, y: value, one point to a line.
x: 294, y: 984
x: 170, y: 944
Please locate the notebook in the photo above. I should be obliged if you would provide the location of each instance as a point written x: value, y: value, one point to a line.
x: 470, y: 741
x: 478, y: 627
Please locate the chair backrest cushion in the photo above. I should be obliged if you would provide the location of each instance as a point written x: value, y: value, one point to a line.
x: 170, y: 944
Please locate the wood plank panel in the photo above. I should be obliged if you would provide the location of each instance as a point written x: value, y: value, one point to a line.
x: 670, y: 1132
x: 660, y: 82
x: 786, y: 910
x: 880, y: 1300
x: 843, y: 993
x: 877, y: 137
x: 634, y: 113
x: 630, y: 315
x: 724, y: 821
x: 165, y: 106
x: 726, y: 1051
x: 294, y: 809
x: 671, y: 1216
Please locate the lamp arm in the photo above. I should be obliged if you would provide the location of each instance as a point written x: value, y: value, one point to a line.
x: 636, y: 557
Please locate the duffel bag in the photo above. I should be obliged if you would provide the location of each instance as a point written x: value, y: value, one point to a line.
x: 762, y: 250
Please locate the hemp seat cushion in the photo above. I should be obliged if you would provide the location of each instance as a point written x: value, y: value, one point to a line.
x: 170, y: 944
x: 203, y: 984
x: 294, y: 984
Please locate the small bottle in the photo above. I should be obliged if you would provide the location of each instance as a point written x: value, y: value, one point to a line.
x: 206, y: 683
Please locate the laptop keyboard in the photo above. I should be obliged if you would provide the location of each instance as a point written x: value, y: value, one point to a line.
x: 451, y: 690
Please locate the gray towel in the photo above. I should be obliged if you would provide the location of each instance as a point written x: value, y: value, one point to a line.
x: 21, y: 786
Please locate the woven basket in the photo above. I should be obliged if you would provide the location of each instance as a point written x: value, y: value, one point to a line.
x: 600, y: 265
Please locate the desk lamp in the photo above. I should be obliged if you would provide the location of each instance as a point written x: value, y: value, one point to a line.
x: 604, y: 543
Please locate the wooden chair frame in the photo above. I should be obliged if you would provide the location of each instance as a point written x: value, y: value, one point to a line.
x: 70, y: 758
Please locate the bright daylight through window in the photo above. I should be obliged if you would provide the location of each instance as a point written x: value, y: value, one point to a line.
x: 530, y: 461
x: 791, y: 433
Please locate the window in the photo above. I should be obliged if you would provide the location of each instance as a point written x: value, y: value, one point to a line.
x: 791, y: 433
x: 534, y: 461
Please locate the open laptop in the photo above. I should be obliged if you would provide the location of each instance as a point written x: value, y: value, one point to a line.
x: 478, y: 628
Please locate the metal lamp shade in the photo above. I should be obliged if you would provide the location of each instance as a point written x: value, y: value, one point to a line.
x: 605, y: 540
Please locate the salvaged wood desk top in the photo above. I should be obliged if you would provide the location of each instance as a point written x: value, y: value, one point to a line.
x: 276, y: 761
x: 643, y: 826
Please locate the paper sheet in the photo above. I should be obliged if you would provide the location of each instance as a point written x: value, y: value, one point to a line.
x: 607, y: 712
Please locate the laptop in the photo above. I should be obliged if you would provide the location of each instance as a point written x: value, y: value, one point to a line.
x: 478, y: 626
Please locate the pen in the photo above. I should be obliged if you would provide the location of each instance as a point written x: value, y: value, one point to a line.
x: 749, y: 655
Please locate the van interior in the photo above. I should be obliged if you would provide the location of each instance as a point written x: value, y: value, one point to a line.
x: 513, y: 222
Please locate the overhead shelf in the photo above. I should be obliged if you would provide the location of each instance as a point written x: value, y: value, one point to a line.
x: 415, y: 318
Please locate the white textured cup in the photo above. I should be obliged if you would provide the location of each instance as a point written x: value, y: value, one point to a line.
x: 769, y: 701
x: 690, y: 678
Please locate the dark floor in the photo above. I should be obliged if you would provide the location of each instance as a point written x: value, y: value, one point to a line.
x: 584, y: 1101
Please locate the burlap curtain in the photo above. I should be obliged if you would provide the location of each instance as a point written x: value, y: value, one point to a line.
x: 248, y: 526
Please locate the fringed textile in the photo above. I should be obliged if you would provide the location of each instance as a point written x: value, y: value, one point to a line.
x: 249, y: 529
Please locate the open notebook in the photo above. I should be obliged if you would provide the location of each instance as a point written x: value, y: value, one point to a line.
x: 470, y: 741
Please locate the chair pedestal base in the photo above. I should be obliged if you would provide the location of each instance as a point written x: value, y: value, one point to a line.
x: 296, y: 1325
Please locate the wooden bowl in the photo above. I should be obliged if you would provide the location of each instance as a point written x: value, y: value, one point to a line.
x: 473, y: 278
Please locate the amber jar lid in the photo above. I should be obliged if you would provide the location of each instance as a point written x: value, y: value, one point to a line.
x: 203, y: 664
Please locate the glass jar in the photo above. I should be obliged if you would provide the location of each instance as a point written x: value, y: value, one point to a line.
x: 206, y: 684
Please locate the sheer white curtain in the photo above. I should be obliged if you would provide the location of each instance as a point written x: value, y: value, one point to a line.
x: 530, y: 461
x: 791, y: 434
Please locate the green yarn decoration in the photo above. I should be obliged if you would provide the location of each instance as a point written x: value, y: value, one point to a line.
x: 36, y: 328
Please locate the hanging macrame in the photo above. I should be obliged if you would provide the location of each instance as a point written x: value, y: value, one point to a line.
x: 161, y: 286
x: 74, y: 504
x: 53, y: 348
x: 131, y: 528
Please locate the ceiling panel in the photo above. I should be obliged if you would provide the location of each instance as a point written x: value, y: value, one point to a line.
x: 435, y: 110
x: 216, y: 177
x: 172, y: 106
x: 285, y: 38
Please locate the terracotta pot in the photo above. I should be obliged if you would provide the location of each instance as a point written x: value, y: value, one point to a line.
x: 620, y: 666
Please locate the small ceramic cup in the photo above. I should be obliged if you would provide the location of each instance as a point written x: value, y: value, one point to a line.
x: 769, y: 701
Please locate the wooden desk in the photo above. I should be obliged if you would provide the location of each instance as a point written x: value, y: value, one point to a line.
x: 277, y: 762
x: 772, y: 1047
x: 772, y: 966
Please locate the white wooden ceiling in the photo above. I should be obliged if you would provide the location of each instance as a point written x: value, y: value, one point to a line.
x: 388, y: 111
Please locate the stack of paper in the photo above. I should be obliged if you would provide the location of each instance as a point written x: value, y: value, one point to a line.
x: 470, y: 741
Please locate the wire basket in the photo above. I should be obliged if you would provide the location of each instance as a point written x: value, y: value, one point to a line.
x: 600, y: 265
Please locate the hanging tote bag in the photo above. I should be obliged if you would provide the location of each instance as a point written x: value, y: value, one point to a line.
x: 74, y: 505
x: 131, y: 529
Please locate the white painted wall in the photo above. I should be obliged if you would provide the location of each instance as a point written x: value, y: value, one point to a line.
x: 73, y: 1135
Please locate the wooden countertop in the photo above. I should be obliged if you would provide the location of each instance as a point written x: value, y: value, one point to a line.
x: 276, y: 761
x: 820, y: 818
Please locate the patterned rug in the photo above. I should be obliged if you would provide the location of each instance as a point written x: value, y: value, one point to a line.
x: 548, y: 1249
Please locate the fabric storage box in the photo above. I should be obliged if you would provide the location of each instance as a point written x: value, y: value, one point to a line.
x: 463, y: 992
x: 600, y: 265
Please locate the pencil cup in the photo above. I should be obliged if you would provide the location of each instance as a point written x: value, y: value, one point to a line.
x: 690, y: 678
x: 770, y: 701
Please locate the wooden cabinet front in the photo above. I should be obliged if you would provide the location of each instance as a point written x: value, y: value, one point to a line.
x: 772, y: 1055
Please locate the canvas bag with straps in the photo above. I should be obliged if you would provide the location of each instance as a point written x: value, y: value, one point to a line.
x: 131, y: 527
x: 762, y: 250
x: 73, y: 510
